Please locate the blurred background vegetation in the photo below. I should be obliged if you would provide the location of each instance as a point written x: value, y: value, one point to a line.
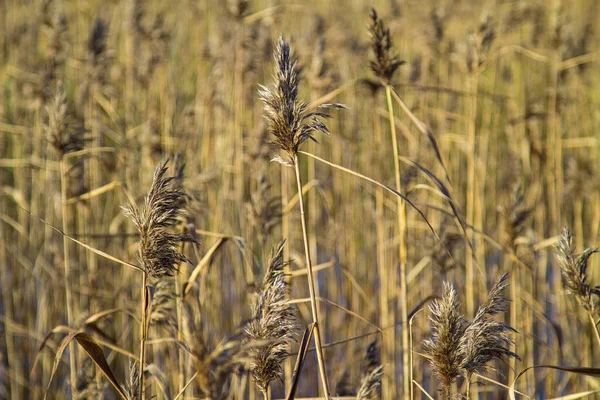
x: 509, y: 92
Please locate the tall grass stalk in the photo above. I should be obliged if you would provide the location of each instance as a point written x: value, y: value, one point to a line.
x: 311, y: 284
x: 470, y: 202
x: 143, y: 330
x: 401, y: 216
x: 383, y: 268
x: 67, y: 272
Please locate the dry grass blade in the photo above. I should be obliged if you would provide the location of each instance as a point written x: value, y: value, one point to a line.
x: 594, y: 372
x: 99, y: 315
x: 425, y: 130
x: 94, y: 351
x: 422, y: 389
x: 203, y: 262
x: 448, y: 197
x: 389, y: 189
x: 338, y: 306
x: 576, y: 396
x: 304, y: 343
x: 85, y: 246
x: 160, y: 379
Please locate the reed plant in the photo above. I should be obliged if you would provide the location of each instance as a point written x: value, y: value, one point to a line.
x: 459, y: 166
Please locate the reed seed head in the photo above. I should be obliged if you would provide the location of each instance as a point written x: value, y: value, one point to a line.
x: 372, y: 372
x: 486, y: 339
x: 460, y: 347
x: 62, y: 131
x: 514, y: 217
x: 263, y: 210
x: 97, y: 40
x: 370, y: 383
x: 133, y: 383
x: 573, y: 270
x: 447, y: 328
x: 287, y: 118
x: 159, y: 245
x: 163, y: 304
x: 386, y: 61
x: 273, y: 321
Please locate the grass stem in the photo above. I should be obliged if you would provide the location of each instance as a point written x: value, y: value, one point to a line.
x: 401, y: 215
x: 67, y: 274
x: 311, y: 284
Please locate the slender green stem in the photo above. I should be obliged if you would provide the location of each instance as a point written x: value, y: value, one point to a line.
x: 67, y: 274
x: 311, y: 284
x: 401, y: 215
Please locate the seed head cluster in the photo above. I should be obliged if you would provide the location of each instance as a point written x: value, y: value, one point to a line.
x: 288, y: 119
x: 457, y: 347
x: 574, y: 274
x: 159, y: 243
x: 273, y: 321
x: 386, y: 61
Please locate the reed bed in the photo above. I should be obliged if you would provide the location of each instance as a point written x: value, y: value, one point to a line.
x: 279, y: 200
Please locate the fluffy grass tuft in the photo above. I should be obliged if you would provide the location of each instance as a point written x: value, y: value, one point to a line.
x: 273, y: 321
x: 159, y: 245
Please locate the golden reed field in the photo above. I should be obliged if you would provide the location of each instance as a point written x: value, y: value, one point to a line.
x: 299, y: 199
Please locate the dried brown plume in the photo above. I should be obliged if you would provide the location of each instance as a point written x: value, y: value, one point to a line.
x: 163, y: 304
x: 372, y: 372
x: 386, y: 61
x: 273, y: 322
x: 287, y: 118
x: 64, y: 133
x: 263, y: 210
x: 573, y: 268
x: 486, y: 339
x: 159, y: 243
x: 447, y: 328
x: 133, y: 383
x: 459, y: 347
x: 370, y: 383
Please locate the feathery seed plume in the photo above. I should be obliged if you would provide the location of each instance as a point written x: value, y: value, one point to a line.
x: 447, y: 328
x: 159, y: 245
x: 486, y: 339
x: 287, y: 118
x: 273, y: 321
x: 386, y: 60
x: 573, y: 269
